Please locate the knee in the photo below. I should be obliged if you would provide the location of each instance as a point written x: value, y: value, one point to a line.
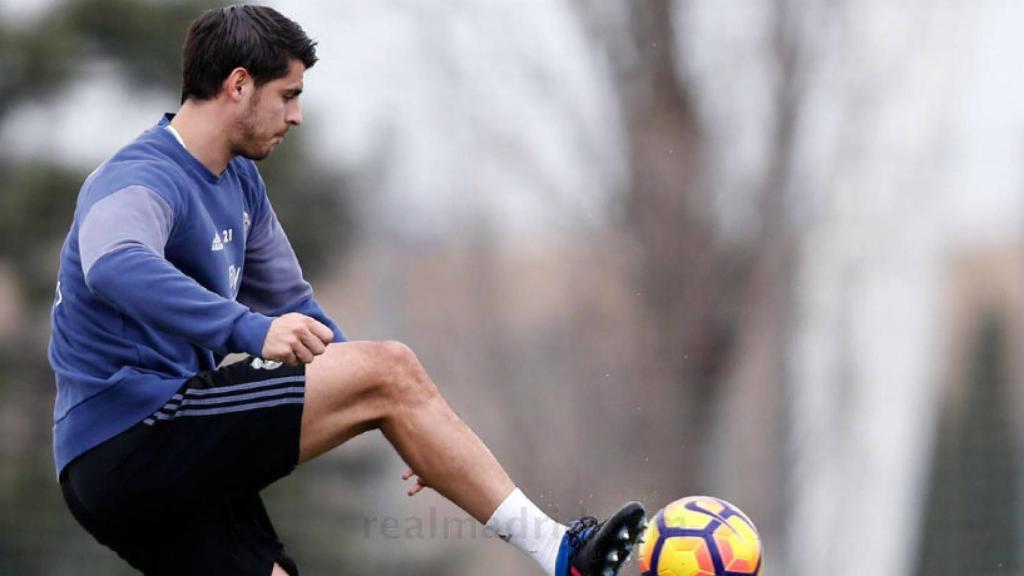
x: 402, y: 379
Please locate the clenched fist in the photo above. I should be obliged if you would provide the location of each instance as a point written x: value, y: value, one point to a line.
x: 295, y: 338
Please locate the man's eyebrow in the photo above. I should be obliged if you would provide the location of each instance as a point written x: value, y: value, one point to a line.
x: 294, y: 91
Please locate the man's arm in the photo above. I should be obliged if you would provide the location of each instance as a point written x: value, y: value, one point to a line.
x: 121, y: 242
x: 272, y: 281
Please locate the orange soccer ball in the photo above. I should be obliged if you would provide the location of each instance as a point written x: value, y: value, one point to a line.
x: 700, y: 536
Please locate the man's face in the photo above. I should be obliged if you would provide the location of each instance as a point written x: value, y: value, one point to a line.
x: 271, y: 110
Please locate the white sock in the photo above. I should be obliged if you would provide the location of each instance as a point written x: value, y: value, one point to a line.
x: 519, y: 522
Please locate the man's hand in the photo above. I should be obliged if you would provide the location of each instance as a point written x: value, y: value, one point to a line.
x: 417, y: 486
x: 295, y: 338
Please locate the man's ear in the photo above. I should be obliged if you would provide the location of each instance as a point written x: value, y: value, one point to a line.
x: 237, y: 83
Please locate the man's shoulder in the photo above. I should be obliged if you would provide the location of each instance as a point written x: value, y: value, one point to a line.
x: 141, y: 164
x: 148, y: 156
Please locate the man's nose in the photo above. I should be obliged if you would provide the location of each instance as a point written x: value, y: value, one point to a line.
x: 294, y: 115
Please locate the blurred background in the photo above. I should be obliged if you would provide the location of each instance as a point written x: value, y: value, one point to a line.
x: 768, y: 250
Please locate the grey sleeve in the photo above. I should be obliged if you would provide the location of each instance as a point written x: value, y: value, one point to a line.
x: 132, y: 216
x: 272, y: 281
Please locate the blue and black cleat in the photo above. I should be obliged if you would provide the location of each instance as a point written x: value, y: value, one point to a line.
x: 592, y: 548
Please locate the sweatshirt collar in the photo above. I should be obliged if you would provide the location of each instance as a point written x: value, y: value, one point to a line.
x: 181, y: 153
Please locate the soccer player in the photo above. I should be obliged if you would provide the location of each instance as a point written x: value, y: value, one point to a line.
x: 175, y: 259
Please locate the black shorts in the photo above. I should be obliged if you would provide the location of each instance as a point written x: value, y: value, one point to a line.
x: 179, y: 492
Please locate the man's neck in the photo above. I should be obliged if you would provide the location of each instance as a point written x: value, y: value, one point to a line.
x: 201, y: 128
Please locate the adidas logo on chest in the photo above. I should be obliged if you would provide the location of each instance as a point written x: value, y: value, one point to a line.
x: 221, y: 238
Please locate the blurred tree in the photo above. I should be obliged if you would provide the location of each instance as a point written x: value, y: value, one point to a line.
x: 38, y: 61
x: 36, y: 205
x: 716, y: 310
x: 714, y: 313
x: 753, y: 387
x: 677, y: 265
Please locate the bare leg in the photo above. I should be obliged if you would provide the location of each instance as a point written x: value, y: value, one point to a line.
x: 358, y: 386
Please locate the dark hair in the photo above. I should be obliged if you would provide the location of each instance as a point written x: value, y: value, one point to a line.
x: 257, y: 38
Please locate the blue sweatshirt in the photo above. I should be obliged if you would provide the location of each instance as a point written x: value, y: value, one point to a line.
x: 167, y: 268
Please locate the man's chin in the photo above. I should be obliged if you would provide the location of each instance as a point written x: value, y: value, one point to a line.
x: 256, y: 155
